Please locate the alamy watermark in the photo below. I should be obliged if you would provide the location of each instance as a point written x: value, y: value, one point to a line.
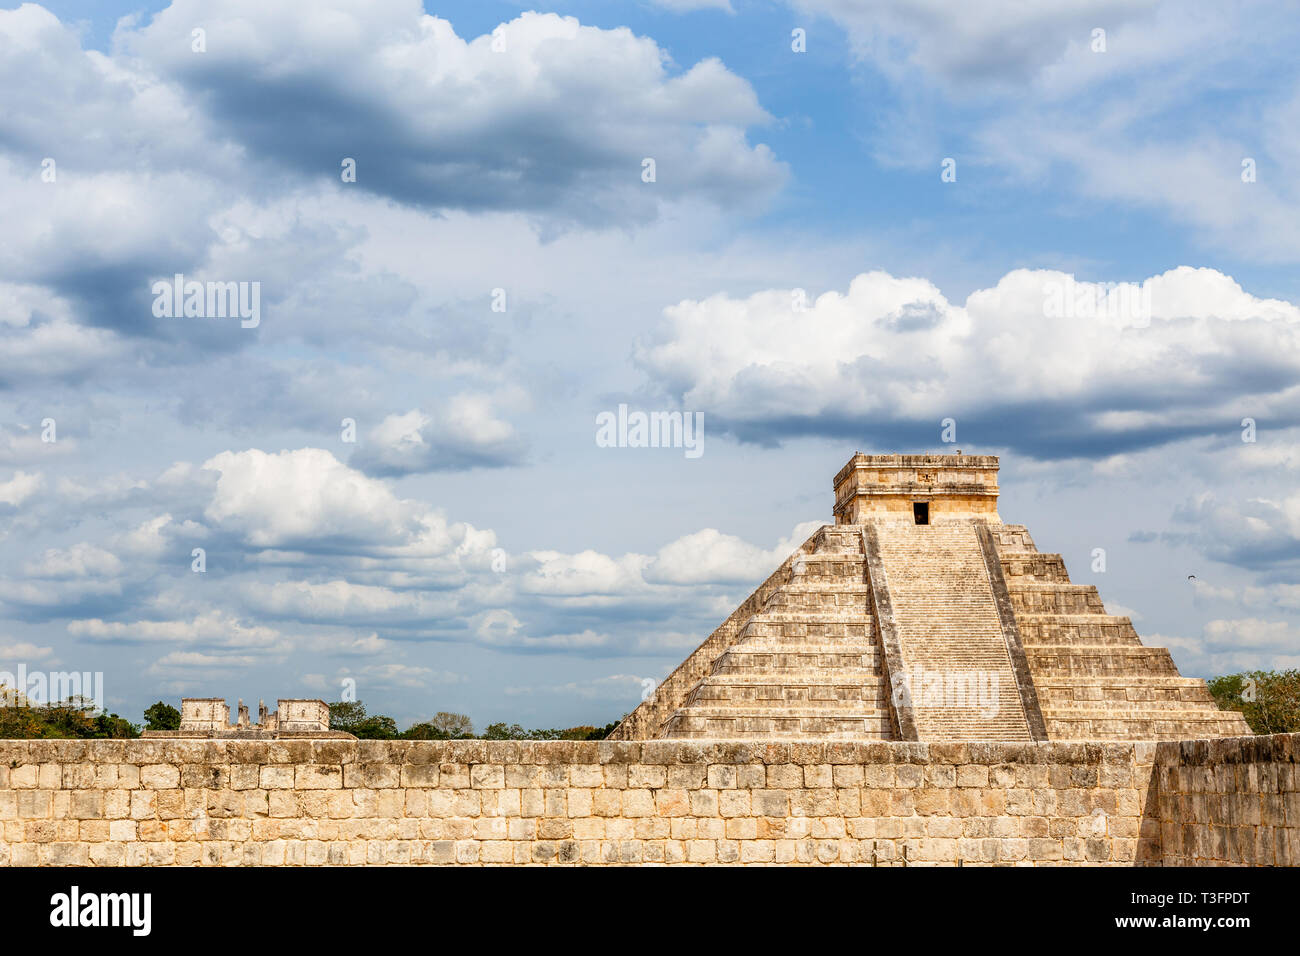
x: 47, y: 687
x: 208, y: 300
x: 1096, y: 300
x: 74, y: 908
x: 975, y: 691
x: 626, y: 429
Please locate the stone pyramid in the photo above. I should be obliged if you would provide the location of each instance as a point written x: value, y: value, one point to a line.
x: 919, y: 615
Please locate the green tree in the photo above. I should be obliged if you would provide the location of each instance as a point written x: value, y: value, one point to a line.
x: 600, y: 733
x: 423, y: 731
x: 377, y: 727
x: 346, y: 714
x: 503, y: 731
x: 162, y: 716
x: 1269, y: 700
x: 350, y: 717
x: 111, y: 725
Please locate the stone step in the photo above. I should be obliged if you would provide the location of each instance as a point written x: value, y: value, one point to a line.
x: 805, y: 584
x: 953, y: 729
x: 767, y: 646
x: 830, y: 563
x: 816, y: 708
x: 806, y: 721
x: 1071, y: 660
x: 1088, y: 629
x: 1164, y: 709
x: 1124, y: 708
x: 1055, y: 599
x: 805, y: 664
x: 949, y: 667
x: 1034, y: 567
x: 947, y: 629
x: 838, y: 538
x: 804, y: 630
x: 818, y: 615
x: 1145, y: 725
x: 1123, y: 692
x: 791, y: 599
x: 759, y: 690
x: 748, y: 728
x: 1012, y: 538
x: 823, y: 657
x: 780, y: 644
x: 817, y: 581
x: 810, y: 678
x: 948, y: 624
x: 1102, y: 681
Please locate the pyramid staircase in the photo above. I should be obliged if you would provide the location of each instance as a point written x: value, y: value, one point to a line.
x: 961, y: 678
x: 805, y: 664
x: 1095, y: 679
x: 920, y: 579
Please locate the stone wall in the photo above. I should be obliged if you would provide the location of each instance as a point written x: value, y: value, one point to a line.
x: 1233, y: 801
x: 666, y: 801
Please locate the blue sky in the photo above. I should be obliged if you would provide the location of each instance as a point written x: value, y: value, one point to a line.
x: 474, y: 549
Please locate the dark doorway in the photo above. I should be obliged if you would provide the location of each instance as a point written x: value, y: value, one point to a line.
x: 921, y: 512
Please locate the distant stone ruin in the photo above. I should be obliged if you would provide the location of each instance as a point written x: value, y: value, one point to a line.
x: 920, y: 616
x: 209, y: 717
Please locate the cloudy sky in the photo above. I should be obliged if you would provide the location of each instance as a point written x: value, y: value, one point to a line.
x: 840, y: 247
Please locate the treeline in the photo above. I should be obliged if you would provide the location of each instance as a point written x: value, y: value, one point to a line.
x: 78, y: 717
x: 1269, y: 700
x: 351, y: 717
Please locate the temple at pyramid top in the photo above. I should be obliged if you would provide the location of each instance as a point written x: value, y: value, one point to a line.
x: 905, y: 486
x: 919, y: 615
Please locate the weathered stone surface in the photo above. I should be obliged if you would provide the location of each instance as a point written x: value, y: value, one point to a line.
x: 1233, y: 801
x: 146, y: 803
